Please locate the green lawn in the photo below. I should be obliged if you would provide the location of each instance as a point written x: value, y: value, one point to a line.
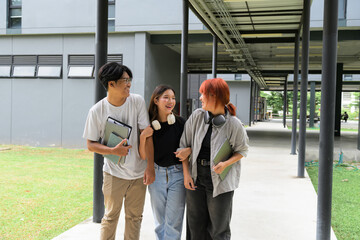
x: 345, y: 218
x: 318, y: 129
x: 43, y: 191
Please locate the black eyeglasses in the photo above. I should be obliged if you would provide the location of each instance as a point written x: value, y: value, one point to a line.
x: 126, y: 80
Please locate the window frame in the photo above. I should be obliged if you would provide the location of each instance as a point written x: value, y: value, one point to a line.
x: 10, y: 69
x: 111, y: 28
x: 14, y: 66
x: 59, y: 75
x: 10, y: 17
x: 81, y: 66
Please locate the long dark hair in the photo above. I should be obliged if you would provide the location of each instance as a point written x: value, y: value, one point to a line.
x: 153, y: 109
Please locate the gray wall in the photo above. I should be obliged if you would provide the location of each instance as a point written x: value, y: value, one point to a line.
x: 162, y: 67
x: 3, y: 14
x: 152, y: 15
x: 52, y: 112
x: 240, y: 97
x: 353, y: 18
x: 352, y: 13
x: 65, y: 16
x: 194, y: 83
x: 79, y: 16
x: 239, y: 94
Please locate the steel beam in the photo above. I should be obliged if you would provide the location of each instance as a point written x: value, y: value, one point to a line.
x: 304, y: 83
x: 295, y: 94
x: 255, y: 101
x: 251, y: 101
x: 328, y: 83
x: 312, y: 104
x: 358, y: 136
x: 339, y: 82
x: 214, y: 56
x: 101, y: 45
x: 184, y: 60
x: 285, y: 103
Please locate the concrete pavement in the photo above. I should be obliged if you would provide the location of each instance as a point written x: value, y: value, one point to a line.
x: 271, y: 202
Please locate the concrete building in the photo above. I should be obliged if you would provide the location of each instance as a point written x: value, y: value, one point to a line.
x: 47, y: 52
x: 47, y: 63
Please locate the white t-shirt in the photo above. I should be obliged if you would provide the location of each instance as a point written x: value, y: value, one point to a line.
x: 132, y: 112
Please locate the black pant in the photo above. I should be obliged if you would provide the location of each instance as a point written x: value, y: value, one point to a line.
x: 208, y: 217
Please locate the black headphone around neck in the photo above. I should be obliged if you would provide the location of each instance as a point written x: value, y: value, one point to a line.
x: 218, y: 120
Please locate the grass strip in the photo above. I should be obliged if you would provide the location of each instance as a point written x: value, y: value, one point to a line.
x: 345, y: 216
x: 43, y: 191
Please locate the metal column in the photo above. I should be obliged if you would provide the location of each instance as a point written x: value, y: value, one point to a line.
x: 312, y: 104
x: 339, y: 74
x: 358, y: 145
x: 285, y: 103
x: 304, y: 84
x: 251, y: 102
x: 255, y: 102
x: 184, y: 60
x: 329, y: 54
x: 295, y: 91
x: 214, y: 56
x: 101, y: 38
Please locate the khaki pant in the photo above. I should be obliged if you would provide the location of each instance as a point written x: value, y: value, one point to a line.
x: 115, y: 190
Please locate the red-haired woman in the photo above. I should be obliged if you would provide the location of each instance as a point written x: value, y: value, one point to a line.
x: 208, y: 198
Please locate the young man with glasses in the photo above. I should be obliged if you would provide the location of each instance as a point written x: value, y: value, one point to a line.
x: 121, y: 181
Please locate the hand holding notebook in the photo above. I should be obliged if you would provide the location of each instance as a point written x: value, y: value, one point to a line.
x: 115, y: 132
x: 112, y: 142
x: 222, y: 155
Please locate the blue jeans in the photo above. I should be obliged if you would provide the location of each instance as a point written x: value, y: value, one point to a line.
x: 168, y: 201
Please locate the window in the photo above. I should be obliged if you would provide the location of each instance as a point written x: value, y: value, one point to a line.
x: 111, y: 15
x: 14, y: 20
x: 5, y: 71
x: 81, y: 71
x: 24, y: 71
x: 342, y: 13
x: 49, y: 66
x: 342, y: 9
x: 49, y: 71
x: 348, y: 77
x: 5, y: 66
x: 115, y: 58
x: 238, y: 76
x: 81, y: 66
x: 24, y: 66
x: 30, y: 66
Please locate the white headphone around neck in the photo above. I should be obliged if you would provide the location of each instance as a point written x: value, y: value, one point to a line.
x: 170, y: 120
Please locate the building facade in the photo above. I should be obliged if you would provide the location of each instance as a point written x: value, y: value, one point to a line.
x: 47, y: 49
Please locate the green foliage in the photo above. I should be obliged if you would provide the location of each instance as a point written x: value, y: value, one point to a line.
x: 345, y: 215
x: 43, y: 191
x: 353, y: 115
x: 275, y: 100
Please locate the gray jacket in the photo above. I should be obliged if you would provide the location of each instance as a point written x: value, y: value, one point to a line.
x: 193, y: 135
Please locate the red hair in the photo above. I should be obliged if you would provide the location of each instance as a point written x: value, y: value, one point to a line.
x: 219, y: 88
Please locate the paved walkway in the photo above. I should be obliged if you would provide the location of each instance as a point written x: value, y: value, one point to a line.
x: 271, y: 202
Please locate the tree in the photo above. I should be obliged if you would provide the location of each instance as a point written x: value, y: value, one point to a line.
x: 276, y: 101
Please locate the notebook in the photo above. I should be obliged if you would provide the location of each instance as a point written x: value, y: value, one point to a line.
x: 119, y: 128
x: 114, y: 140
x: 224, y: 153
